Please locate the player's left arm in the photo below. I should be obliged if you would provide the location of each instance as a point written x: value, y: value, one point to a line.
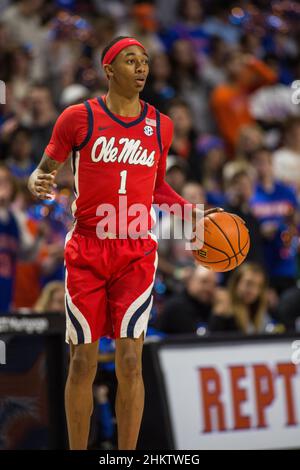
x: 163, y: 193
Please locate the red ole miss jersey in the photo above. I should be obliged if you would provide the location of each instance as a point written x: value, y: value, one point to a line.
x: 118, y: 162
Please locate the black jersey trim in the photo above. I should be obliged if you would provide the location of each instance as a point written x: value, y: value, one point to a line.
x: 90, y: 126
x: 158, y: 129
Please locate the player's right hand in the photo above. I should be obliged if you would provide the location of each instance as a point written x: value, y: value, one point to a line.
x: 42, y: 185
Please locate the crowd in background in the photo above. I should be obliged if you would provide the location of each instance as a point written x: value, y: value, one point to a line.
x: 226, y: 73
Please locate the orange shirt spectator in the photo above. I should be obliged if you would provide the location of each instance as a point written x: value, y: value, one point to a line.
x: 230, y: 101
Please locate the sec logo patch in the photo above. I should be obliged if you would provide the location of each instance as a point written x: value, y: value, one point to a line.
x: 148, y: 130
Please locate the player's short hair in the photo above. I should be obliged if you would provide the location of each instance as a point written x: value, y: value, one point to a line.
x: 112, y: 43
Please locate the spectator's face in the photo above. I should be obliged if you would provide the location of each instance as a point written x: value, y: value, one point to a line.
x: 30, y: 7
x: 250, y: 287
x: 193, y: 193
x: 183, y: 53
x: 21, y: 146
x: 181, y: 118
x: 57, y: 302
x: 3, y: 36
x: 176, y: 178
x: 192, y: 10
x: 221, y: 301
x: 202, y: 285
x: 6, y: 187
x: 214, y: 159
x: 160, y: 67
x: 242, y: 188
x: 21, y: 62
x: 262, y: 162
x: 250, y: 139
x: 40, y: 100
x: 293, y: 136
x: 235, y: 65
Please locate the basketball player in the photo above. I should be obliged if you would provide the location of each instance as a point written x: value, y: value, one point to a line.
x: 119, y: 147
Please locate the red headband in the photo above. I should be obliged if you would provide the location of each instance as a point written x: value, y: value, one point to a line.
x: 114, y: 50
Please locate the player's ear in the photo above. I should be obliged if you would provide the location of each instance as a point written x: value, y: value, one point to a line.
x: 108, y: 71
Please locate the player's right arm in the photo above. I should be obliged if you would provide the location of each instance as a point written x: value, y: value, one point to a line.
x: 41, y: 182
x: 69, y: 131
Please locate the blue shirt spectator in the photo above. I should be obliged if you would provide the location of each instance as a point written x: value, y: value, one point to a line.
x: 274, y: 204
x: 9, y: 240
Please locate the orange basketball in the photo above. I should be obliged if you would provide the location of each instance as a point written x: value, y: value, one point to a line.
x: 226, y: 241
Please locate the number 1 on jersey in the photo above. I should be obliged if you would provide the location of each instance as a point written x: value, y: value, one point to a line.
x: 122, y: 189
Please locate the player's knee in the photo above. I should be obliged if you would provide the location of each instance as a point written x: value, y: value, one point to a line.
x: 129, y: 367
x: 82, y: 370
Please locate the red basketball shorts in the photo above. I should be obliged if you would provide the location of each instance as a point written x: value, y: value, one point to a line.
x: 108, y: 286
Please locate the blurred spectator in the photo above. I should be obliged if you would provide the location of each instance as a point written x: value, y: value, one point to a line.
x: 19, y: 158
x: 175, y: 261
x: 212, y: 70
x: 210, y: 160
x: 143, y: 26
x: 158, y: 89
x: 105, y: 388
x: 183, y: 143
x: 217, y: 23
x: 5, y: 52
x: 187, y: 83
x: 52, y: 298
x: 176, y: 172
x: 9, y: 240
x: 251, y: 44
x: 104, y: 30
x: 166, y: 12
x: 243, y: 307
x: 230, y: 101
x: 104, y: 421
x: 194, y: 192
x: 20, y: 74
x: 288, y: 309
x: 274, y: 205
x: 10, y: 114
x: 239, y: 178
x: 41, y: 118
x: 189, y: 312
x: 67, y: 54
x: 287, y: 158
x: 52, y: 250
x: 23, y: 21
x: 250, y: 138
x: 28, y: 267
x: 189, y: 27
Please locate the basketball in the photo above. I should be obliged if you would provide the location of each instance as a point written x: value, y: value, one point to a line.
x: 226, y: 241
